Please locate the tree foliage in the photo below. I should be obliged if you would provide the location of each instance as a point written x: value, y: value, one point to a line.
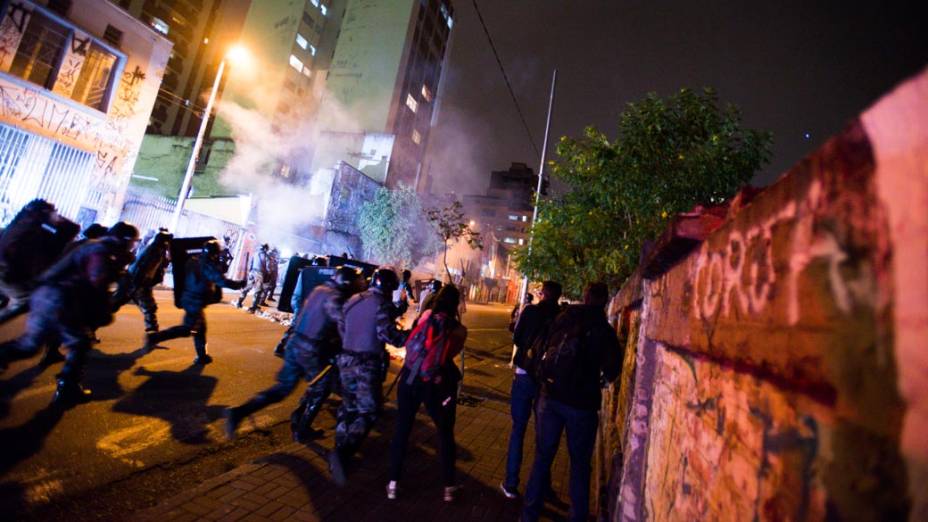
x: 395, y: 229
x: 452, y: 227
x: 669, y: 154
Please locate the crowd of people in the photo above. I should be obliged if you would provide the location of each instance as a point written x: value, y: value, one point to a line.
x: 336, y: 342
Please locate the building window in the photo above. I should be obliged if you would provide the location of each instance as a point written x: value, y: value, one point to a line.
x: 426, y: 93
x: 412, y: 103
x: 39, y: 50
x: 312, y: 49
x: 509, y: 240
x: 314, y: 2
x: 513, y: 217
x: 301, y: 41
x: 94, y: 80
x: 160, y: 26
x: 416, y: 137
x: 296, y: 63
x: 307, y: 72
x: 112, y: 35
x: 323, y: 9
x: 521, y: 241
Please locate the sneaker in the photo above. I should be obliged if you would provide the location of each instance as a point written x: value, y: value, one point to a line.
x: 391, y: 490
x: 337, y: 469
x: 449, y: 493
x: 508, y: 492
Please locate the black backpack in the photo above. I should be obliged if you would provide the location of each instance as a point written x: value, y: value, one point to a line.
x: 563, y: 367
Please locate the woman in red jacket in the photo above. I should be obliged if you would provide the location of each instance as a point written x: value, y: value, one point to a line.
x: 430, y: 376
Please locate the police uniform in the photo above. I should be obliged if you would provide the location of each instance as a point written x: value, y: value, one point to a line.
x: 257, y: 274
x: 369, y: 324
x: 73, y: 299
x: 202, y: 287
x: 316, y: 337
x: 138, y: 284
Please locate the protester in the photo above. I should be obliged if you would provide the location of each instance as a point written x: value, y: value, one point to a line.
x: 517, y: 309
x: 430, y: 376
x: 533, y: 323
x: 581, y: 351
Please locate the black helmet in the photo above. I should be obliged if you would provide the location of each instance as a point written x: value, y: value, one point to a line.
x: 163, y: 237
x: 211, y: 248
x: 435, y: 285
x: 264, y: 247
x: 385, y: 279
x: 124, y: 231
x: 345, y: 277
x: 39, y: 205
x: 319, y: 261
x: 94, y: 231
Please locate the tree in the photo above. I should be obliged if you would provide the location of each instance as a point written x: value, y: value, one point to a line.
x: 453, y: 227
x: 669, y: 155
x: 395, y: 229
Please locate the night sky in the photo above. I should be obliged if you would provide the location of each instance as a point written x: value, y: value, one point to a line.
x: 792, y: 67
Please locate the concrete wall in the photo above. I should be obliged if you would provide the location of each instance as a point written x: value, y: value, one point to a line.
x: 780, y: 371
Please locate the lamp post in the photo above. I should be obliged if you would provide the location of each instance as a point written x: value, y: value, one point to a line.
x: 235, y: 53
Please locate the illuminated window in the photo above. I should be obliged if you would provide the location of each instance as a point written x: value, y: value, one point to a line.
x: 296, y: 63
x: 314, y: 2
x: 509, y: 240
x: 416, y: 137
x: 524, y: 218
x: 312, y: 50
x: 307, y: 72
x: 93, y: 82
x: 426, y: 93
x: 160, y: 25
x: 301, y: 41
x: 513, y: 217
x: 323, y: 8
x: 521, y: 241
x: 412, y: 103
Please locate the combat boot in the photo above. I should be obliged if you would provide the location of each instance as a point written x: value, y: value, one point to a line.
x: 202, y: 357
x: 70, y: 393
x: 337, y: 461
x: 233, y: 419
x: 52, y: 356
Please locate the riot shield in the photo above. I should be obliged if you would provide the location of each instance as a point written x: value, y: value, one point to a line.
x: 294, y: 266
x: 182, y: 249
x: 32, y: 243
x: 313, y: 276
x: 366, y: 268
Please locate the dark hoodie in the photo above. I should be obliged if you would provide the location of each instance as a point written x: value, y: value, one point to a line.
x: 602, y: 360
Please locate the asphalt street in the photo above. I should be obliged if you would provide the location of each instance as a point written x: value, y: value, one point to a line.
x: 156, y: 410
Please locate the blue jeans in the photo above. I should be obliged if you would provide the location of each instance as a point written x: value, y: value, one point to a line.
x: 553, y: 418
x: 522, y: 399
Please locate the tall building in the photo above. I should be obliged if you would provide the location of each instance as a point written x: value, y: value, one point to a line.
x: 382, y: 87
x: 201, y: 31
x: 78, y: 81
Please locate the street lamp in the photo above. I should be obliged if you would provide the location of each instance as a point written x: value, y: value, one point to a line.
x: 237, y: 54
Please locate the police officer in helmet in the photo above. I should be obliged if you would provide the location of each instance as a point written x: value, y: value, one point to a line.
x: 315, y: 340
x: 203, y: 286
x: 369, y: 325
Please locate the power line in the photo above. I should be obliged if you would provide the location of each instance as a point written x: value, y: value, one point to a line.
x: 506, y: 78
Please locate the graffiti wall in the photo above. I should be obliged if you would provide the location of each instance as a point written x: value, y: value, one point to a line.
x: 779, y: 372
x: 113, y: 136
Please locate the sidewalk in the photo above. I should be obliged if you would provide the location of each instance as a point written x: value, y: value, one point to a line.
x: 294, y: 483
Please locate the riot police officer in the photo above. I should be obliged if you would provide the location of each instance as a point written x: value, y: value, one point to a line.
x: 142, y: 276
x: 257, y: 274
x: 73, y: 300
x: 369, y: 324
x: 203, y: 286
x: 296, y: 302
x: 316, y: 338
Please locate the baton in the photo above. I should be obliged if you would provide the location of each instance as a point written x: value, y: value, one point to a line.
x: 320, y: 375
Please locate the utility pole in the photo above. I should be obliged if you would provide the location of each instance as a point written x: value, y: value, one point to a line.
x: 541, y: 177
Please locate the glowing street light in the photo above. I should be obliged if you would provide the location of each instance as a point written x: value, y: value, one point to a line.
x: 236, y: 54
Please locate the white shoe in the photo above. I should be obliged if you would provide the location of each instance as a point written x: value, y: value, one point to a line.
x: 449, y: 493
x: 391, y: 490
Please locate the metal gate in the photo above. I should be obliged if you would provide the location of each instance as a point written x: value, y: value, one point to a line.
x: 32, y: 166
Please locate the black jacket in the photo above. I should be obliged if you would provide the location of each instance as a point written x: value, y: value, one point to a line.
x: 370, y: 323
x: 148, y: 268
x: 602, y: 358
x: 533, y: 321
x: 320, y: 319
